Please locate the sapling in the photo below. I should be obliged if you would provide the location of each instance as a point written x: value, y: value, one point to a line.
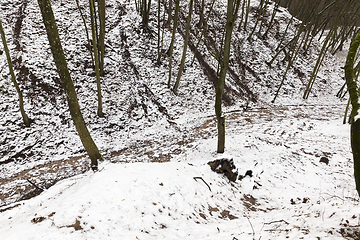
x: 26, y: 119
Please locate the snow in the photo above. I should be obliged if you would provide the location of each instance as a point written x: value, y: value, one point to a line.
x: 155, y: 182
x: 162, y: 201
x: 291, y: 194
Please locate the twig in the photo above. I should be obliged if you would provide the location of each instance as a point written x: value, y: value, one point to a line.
x: 35, y: 185
x: 195, y: 178
x: 251, y: 226
x: 352, y: 199
x: 282, y: 220
x: 9, y: 208
x: 279, y: 230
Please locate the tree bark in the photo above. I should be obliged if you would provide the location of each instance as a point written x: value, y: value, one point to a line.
x: 177, y: 7
x: 201, y: 21
x: 203, y: 31
x: 186, y: 40
x: 102, y: 12
x: 169, y: 11
x: 145, y: 14
x: 11, y: 70
x: 96, y: 56
x: 232, y: 10
x: 86, y: 31
x: 355, y: 118
x: 68, y: 85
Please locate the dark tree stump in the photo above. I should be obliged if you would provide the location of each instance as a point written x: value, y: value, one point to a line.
x: 226, y: 167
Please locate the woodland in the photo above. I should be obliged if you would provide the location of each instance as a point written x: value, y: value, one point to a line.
x: 150, y: 87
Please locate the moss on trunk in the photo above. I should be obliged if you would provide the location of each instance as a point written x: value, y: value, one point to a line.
x: 68, y: 85
x: 354, y: 118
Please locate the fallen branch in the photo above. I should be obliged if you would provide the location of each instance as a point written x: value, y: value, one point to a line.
x: 9, y: 208
x: 195, y: 178
x: 251, y: 226
x: 37, y: 187
x: 278, y: 221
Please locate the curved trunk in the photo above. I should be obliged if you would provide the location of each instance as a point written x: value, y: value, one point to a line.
x: 68, y: 85
x: 21, y: 100
x: 355, y: 117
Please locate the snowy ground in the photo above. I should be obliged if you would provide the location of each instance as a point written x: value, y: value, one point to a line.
x: 133, y: 196
x: 290, y: 196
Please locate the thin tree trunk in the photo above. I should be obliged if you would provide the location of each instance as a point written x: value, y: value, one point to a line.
x: 137, y: 6
x: 63, y: 71
x: 145, y: 13
x: 232, y: 10
x: 97, y: 69
x: 162, y: 40
x: 247, y: 14
x: 169, y: 13
x: 102, y: 12
x: 242, y: 15
x: 276, y: 7
x: 86, y: 31
x: 203, y: 31
x: 177, y: 6
x: 201, y: 21
x: 26, y: 119
x: 321, y: 57
x: 257, y: 19
x: 186, y: 40
x: 159, y: 37
x: 346, y: 110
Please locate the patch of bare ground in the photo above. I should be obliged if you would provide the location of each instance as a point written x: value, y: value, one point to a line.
x: 31, y: 182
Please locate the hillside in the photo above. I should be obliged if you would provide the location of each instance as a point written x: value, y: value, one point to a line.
x: 155, y: 143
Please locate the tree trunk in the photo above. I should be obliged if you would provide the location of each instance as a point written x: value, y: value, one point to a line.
x: 169, y: 10
x: 86, y: 31
x: 232, y: 10
x: 145, y: 13
x: 102, y: 12
x: 355, y: 145
x: 159, y: 36
x: 63, y: 71
x: 203, y: 31
x: 247, y: 14
x: 177, y: 7
x: 186, y: 40
x: 21, y: 100
x: 201, y: 21
x: 355, y: 117
x: 96, y: 55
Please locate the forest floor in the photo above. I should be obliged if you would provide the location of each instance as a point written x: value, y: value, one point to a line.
x: 290, y: 195
x: 155, y: 182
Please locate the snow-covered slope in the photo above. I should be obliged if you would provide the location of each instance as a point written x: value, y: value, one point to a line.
x: 290, y: 196
x: 133, y: 196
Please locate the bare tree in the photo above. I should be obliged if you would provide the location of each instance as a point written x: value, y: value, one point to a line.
x: 177, y: 7
x: 101, y: 43
x: 96, y: 56
x: 186, y: 40
x: 145, y: 13
x: 232, y: 9
x: 68, y: 85
x: 21, y: 100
